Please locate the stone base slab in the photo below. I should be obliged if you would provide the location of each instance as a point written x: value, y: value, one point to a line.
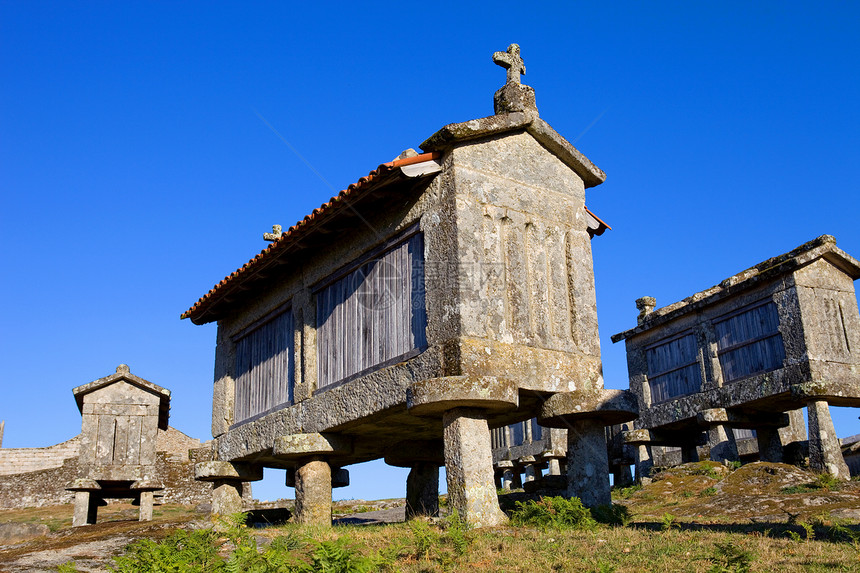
x: 297, y: 446
x: 434, y: 396
x: 217, y: 470
x: 610, y: 407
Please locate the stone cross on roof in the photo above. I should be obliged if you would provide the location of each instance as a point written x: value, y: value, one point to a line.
x: 511, y: 61
x: 274, y: 235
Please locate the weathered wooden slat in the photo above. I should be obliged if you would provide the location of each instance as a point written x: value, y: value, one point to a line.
x: 264, y: 370
x: 371, y: 315
x: 673, y: 368
x: 537, y: 430
x: 750, y: 343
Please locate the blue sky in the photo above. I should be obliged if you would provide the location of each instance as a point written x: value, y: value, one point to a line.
x: 136, y: 171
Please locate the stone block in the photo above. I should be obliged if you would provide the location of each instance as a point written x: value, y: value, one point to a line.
x: 11, y: 533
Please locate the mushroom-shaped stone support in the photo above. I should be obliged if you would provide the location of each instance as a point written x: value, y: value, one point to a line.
x: 313, y: 474
x: 463, y: 403
x: 227, y: 479
x: 585, y: 414
x: 423, y: 458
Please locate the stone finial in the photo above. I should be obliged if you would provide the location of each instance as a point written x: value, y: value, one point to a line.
x: 122, y: 368
x: 274, y: 235
x: 513, y: 96
x: 646, y: 305
x: 512, y: 62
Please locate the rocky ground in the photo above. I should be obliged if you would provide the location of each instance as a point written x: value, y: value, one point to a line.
x: 700, y: 494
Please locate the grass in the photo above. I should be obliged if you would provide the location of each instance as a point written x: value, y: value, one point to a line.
x: 426, y: 548
x: 684, y: 521
x: 671, y: 544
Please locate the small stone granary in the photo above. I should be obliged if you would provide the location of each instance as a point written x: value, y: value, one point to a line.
x: 445, y: 294
x: 750, y: 353
x: 122, y: 414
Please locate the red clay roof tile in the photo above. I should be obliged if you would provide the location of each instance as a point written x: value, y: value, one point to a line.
x: 326, y: 208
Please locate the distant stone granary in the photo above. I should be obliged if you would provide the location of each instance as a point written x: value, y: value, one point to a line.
x: 442, y: 295
x: 122, y: 414
x: 749, y: 353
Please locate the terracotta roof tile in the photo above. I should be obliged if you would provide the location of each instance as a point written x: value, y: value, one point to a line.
x: 326, y: 209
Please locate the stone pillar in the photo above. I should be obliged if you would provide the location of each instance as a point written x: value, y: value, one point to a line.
x: 422, y: 490
x: 622, y: 476
x: 528, y: 468
x: 825, y: 453
x: 794, y: 438
x: 796, y: 429
x: 313, y: 474
x: 769, y: 445
x: 644, y: 463
x: 227, y: 497
x: 689, y: 453
x: 554, y: 467
x: 147, y: 500
x: 313, y: 492
x: 86, y: 508
x: 517, y: 481
x: 721, y: 440
x: 586, y: 414
x: 464, y: 402
x: 507, y: 479
x: 507, y: 469
x: 588, y: 463
x: 228, y: 481
x: 469, y: 467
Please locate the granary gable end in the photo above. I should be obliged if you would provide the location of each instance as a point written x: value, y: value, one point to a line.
x: 445, y: 293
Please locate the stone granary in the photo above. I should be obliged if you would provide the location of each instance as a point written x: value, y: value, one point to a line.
x: 122, y: 414
x: 429, y: 302
x: 522, y: 451
x: 750, y: 353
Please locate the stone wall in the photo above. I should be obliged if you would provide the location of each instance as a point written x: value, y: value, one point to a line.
x: 22, y: 460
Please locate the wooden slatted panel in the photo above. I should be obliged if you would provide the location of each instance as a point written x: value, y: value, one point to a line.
x: 373, y: 314
x: 750, y: 343
x: 497, y: 438
x: 742, y: 433
x: 518, y: 434
x: 673, y: 369
x: 264, y: 368
x: 537, y: 430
